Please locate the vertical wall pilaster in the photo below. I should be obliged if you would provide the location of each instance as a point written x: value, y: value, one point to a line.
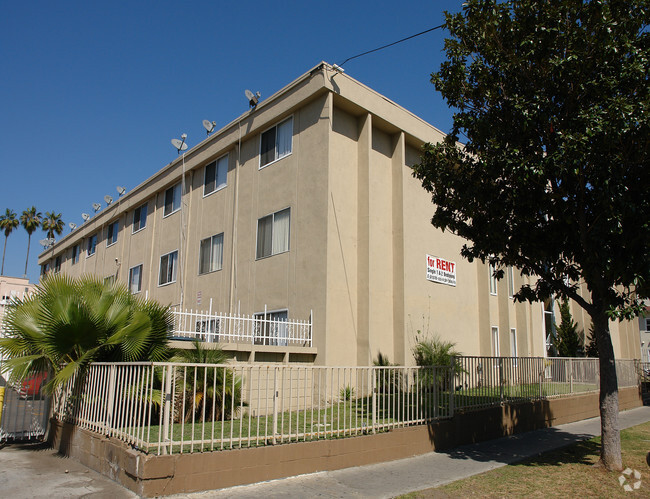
x: 363, y: 240
x: 398, y: 165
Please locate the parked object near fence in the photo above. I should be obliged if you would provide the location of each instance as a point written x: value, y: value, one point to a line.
x: 261, y: 329
x: 165, y: 408
x: 24, y: 412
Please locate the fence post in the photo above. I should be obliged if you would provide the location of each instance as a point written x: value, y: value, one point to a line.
x: 111, y: 399
x: 571, y: 375
x: 167, y: 408
x: 373, y: 374
x: 275, y: 403
x: 501, y: 380
x: 452, y: 388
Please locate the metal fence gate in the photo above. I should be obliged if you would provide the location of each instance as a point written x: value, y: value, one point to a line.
x: 25, y: 409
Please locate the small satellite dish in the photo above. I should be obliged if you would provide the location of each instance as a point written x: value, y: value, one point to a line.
x: 253, y: 98
x: 209, y: 125
x: 72, y: 225
x: 97, y: 207
x: 44, y: 242
x: 180, y: 145
x: 121, y: 190
x: 108, y: 199
x: 85, y: 216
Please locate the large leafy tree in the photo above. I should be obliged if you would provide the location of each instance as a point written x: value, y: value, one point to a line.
x: 552, y: 102
x: 68, y: 323
x: 30, y: 220
x: 52, y: 224
x: 8, y: 223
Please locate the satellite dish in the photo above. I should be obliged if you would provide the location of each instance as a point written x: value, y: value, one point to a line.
x: 180, y: 145
x: 44, y: 242
x: 85, y: 216
x: 121, y: 190
x: 72, y: 225
x: 253, y: 98
x: 108, y: 199
x: 97, y: 207
x: 209, y: 125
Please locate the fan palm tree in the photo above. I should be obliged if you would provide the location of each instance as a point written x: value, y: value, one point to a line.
x: 69, y: 323
x: 8, y: 222
x: 30, y: 220
x: 207, y: 386
x: 52, y: 224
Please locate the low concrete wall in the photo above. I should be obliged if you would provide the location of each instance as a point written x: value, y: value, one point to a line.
x: 150, y: 475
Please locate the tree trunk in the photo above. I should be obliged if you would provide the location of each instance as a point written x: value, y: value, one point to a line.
x: 29, y: 240
x: 2, y: 272
x: 610, y: 449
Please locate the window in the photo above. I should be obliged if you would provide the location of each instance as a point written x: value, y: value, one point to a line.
x: 495, y: 341
x: 513, y: 344
x: 92, y: 244
x: 271, y: 328
x: 273, y: 234
x: 135, y: 279
x: 111, y: 232
x: 109, y: 281
x: 511, y: 282
x: 275, y: 143
x: 172, y: 200
x: 493, y: 279
x: 549, y: 327
x: 215, y: 175
x: 139, y: 218
x: 168, y: 264
x: 45, y: 268
x: 75, y: 254
x: 57, y: 264
x: 211, y: 254
x: 647, y: 324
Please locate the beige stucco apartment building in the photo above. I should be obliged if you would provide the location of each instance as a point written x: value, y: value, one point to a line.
x: 305, y: 206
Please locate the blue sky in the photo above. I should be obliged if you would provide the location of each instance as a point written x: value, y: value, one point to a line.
x: 93, y: 92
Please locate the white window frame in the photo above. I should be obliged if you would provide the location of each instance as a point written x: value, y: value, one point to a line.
x: 90, y: 238
x: 514, y: 350
x: 216, y: 164
x: 276, y: 157
x: 495, y: 341
x: 75, y: 257
x: 174, y: 269
x: 511, y: 282
x: 142, y: 226
x: 266, y: 316
x: 140, y: 266
x: 273, y: 250
x: 220, y: 267
x: 180, y: 199
x: 493, y: 280
x: 113, y: 227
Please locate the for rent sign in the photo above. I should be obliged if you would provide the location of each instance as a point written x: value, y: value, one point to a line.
x: 441, y: 270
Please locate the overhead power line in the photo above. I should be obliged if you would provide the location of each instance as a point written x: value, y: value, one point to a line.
x: 391, y: 44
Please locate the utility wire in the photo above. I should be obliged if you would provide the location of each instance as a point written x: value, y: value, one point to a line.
x: 391, y: 44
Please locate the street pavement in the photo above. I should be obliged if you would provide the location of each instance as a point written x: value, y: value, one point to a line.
x: 36, y: 471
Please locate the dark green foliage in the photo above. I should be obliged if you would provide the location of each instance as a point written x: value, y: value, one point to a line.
x: 69, y: 323
x: 568, y: 338
x: 206, y: 386
x: 592, y: 343
x: 382, y: 360
x: 434, y: 352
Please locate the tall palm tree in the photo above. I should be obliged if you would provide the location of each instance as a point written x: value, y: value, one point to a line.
x: 8, y: 222
x: 68, y: 323
x: 30, y: 220
x: 52, y: 224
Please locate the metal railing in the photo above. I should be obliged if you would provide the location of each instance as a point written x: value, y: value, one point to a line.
x: 259, y: 329
x: 169, y: 407
x: 176, y: 407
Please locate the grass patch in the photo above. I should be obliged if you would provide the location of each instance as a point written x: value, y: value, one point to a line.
x: 568, y: 472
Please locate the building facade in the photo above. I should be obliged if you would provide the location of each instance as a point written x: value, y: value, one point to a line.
x: 306, y: 207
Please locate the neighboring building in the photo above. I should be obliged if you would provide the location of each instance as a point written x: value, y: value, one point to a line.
x: 12, y: 288
x: 306, y: 207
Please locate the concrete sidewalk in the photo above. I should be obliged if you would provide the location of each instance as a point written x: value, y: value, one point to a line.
x: 429, y: 470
